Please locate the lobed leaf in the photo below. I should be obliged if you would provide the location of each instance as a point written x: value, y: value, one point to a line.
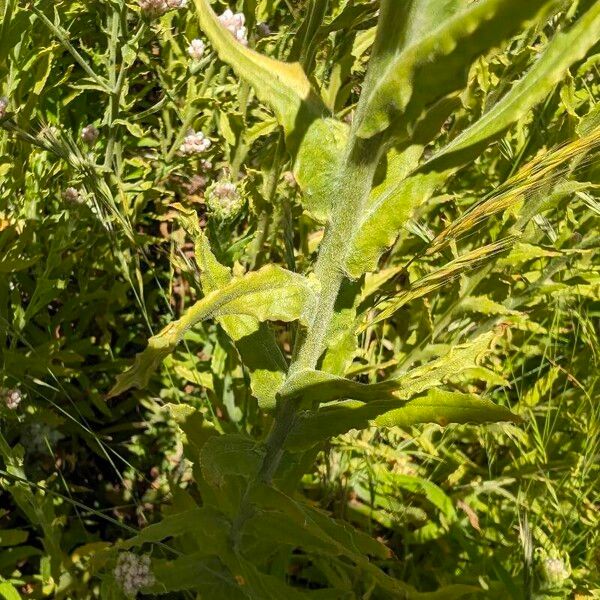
x: 255, y: 342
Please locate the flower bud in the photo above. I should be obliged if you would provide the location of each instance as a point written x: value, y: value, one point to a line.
x: 71, y: 194
x: 12, y: 398
x: 196, y: 49
x: 3, y: 106
x: 89, y: 134
x: 234, y: 23
x: 194, y: 143
x: 224, y: 200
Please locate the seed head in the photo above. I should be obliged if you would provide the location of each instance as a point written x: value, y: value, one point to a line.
x: 234, y: 23
x: 72, y: 194
x: 3, y: 106
x: 12, y: 398
x: 196, y: 49
x: 133, y: 573
x: 89, y: 134
x: 194, y: 143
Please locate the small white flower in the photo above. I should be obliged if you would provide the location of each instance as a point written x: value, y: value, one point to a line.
x: 89, y: 134
x: 71, y: 194
x: 133, y: 573
x: 12, y: 398
x: 234, y: 23
x: 194, y: 142
x: 196, y: 49
x: 3, y: 106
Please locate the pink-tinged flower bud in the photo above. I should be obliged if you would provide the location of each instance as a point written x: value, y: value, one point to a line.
x: 133, y: 573
x: 72, y: 194
x: 194, y: 143
x: 3, y: 106
x: 234, y: 23
x: 12, y: 398
x: 152, y: 9
x: 196, y: 49
x: 89, y: 134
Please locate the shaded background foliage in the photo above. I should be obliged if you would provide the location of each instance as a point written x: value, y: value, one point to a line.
x: 84, y: 284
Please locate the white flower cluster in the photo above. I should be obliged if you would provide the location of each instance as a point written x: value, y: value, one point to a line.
x: 71, y: 194
x: 3, y: 106
x: 89, y: 134
x: 196, y: 49
x: 156, y: 8
x: 235, y: 23
x: 12, y: 398
x: 133, y: 573
x: 194, y: 142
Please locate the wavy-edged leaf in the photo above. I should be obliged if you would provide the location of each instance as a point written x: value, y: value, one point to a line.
x: 437, y: 406
x: 320, y: 387
x: 255, y: 342
x: 436, y: 60
x: 282, y: 86
x: 563, y: 50
x: 272, y: 293
x: 385, y: 217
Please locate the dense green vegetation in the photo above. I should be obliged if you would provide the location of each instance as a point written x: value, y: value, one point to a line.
x: 300, y: 301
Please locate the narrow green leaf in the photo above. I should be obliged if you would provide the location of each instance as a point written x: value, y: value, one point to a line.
x: 437, y: 406
x: 272, y: 293
x: 319, y: 386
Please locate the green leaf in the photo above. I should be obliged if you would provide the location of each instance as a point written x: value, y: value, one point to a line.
x: 272, y: 293
x: 255, y: 342
x: 303, y: 522
x: 441, y: 276
x: 13, y: 537
x: 230, y: 454
x: 563, y: 50
x: 208, y: 577
x: 437, y: 406
x: 8, y: 592
x: 436, y: 59
x: 385, y: 216
x: 283, y: 86
x: 317, y: 165
x: 319, y: 386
